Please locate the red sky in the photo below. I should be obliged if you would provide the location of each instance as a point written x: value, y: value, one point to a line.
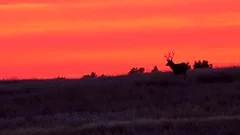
x: 70, y: 38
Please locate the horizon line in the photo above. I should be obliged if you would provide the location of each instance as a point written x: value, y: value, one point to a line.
x: 106, y: 75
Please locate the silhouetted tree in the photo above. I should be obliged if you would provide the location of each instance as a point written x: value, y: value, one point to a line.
x: 155, y: 69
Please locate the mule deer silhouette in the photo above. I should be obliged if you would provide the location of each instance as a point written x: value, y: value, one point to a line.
x: 179, y: 68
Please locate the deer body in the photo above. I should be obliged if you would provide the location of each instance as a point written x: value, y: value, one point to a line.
x: 179, y: 68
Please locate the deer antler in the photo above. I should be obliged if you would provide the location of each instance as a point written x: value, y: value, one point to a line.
x: 169, y: 56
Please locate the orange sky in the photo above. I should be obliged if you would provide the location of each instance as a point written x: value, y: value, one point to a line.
x: 70, y: 38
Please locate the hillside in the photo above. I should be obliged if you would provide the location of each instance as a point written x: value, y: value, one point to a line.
x: 207, y: 102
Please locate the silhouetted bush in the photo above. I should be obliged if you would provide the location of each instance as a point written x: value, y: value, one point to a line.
x: 136, y: 70
x: 189, y: 66
x: 141, y: 70
x: 205, y: 64
x: 133, y: 71
x: 92, y: 75
x: 102, y: 75
x: 155, y: 69
x: 197, y: 64
x: 202, y: 64
x: 60, y: 78
x: 86, y: 76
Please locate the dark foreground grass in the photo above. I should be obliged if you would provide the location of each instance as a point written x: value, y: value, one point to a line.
x: 160, y: 103
x: 223, y: 125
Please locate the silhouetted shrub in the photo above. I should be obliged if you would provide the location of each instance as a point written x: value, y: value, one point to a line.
x: 141, y: 70
x: 92, y: 75
x: 136, y: 70
x: 155, y: 69
x: 86, y: 76
x: 197, y: 64
x: 189, y: 66
x: 202, y: 64
x: 102, y: 75
x: 205, y: 64
x: 133, y: 71
x: 60, y: 78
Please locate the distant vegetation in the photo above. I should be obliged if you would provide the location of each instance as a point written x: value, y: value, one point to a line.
x: 92, y: 75
x: 155, y: 69
x: 202, y: 64
x: 177, y: 68
x: 136, y: 70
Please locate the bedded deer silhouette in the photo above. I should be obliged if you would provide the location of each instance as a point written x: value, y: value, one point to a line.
x: 179, y: 68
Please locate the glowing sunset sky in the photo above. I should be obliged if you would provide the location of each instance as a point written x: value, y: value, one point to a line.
x: 43, y: 38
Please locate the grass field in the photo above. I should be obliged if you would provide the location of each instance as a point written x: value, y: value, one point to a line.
x: 206, y: 103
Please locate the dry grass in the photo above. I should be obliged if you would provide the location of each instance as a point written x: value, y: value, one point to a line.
x: 224, y: 125
x: 138, y: 104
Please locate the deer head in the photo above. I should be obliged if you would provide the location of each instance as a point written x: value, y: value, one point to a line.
x: 169, y: 58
